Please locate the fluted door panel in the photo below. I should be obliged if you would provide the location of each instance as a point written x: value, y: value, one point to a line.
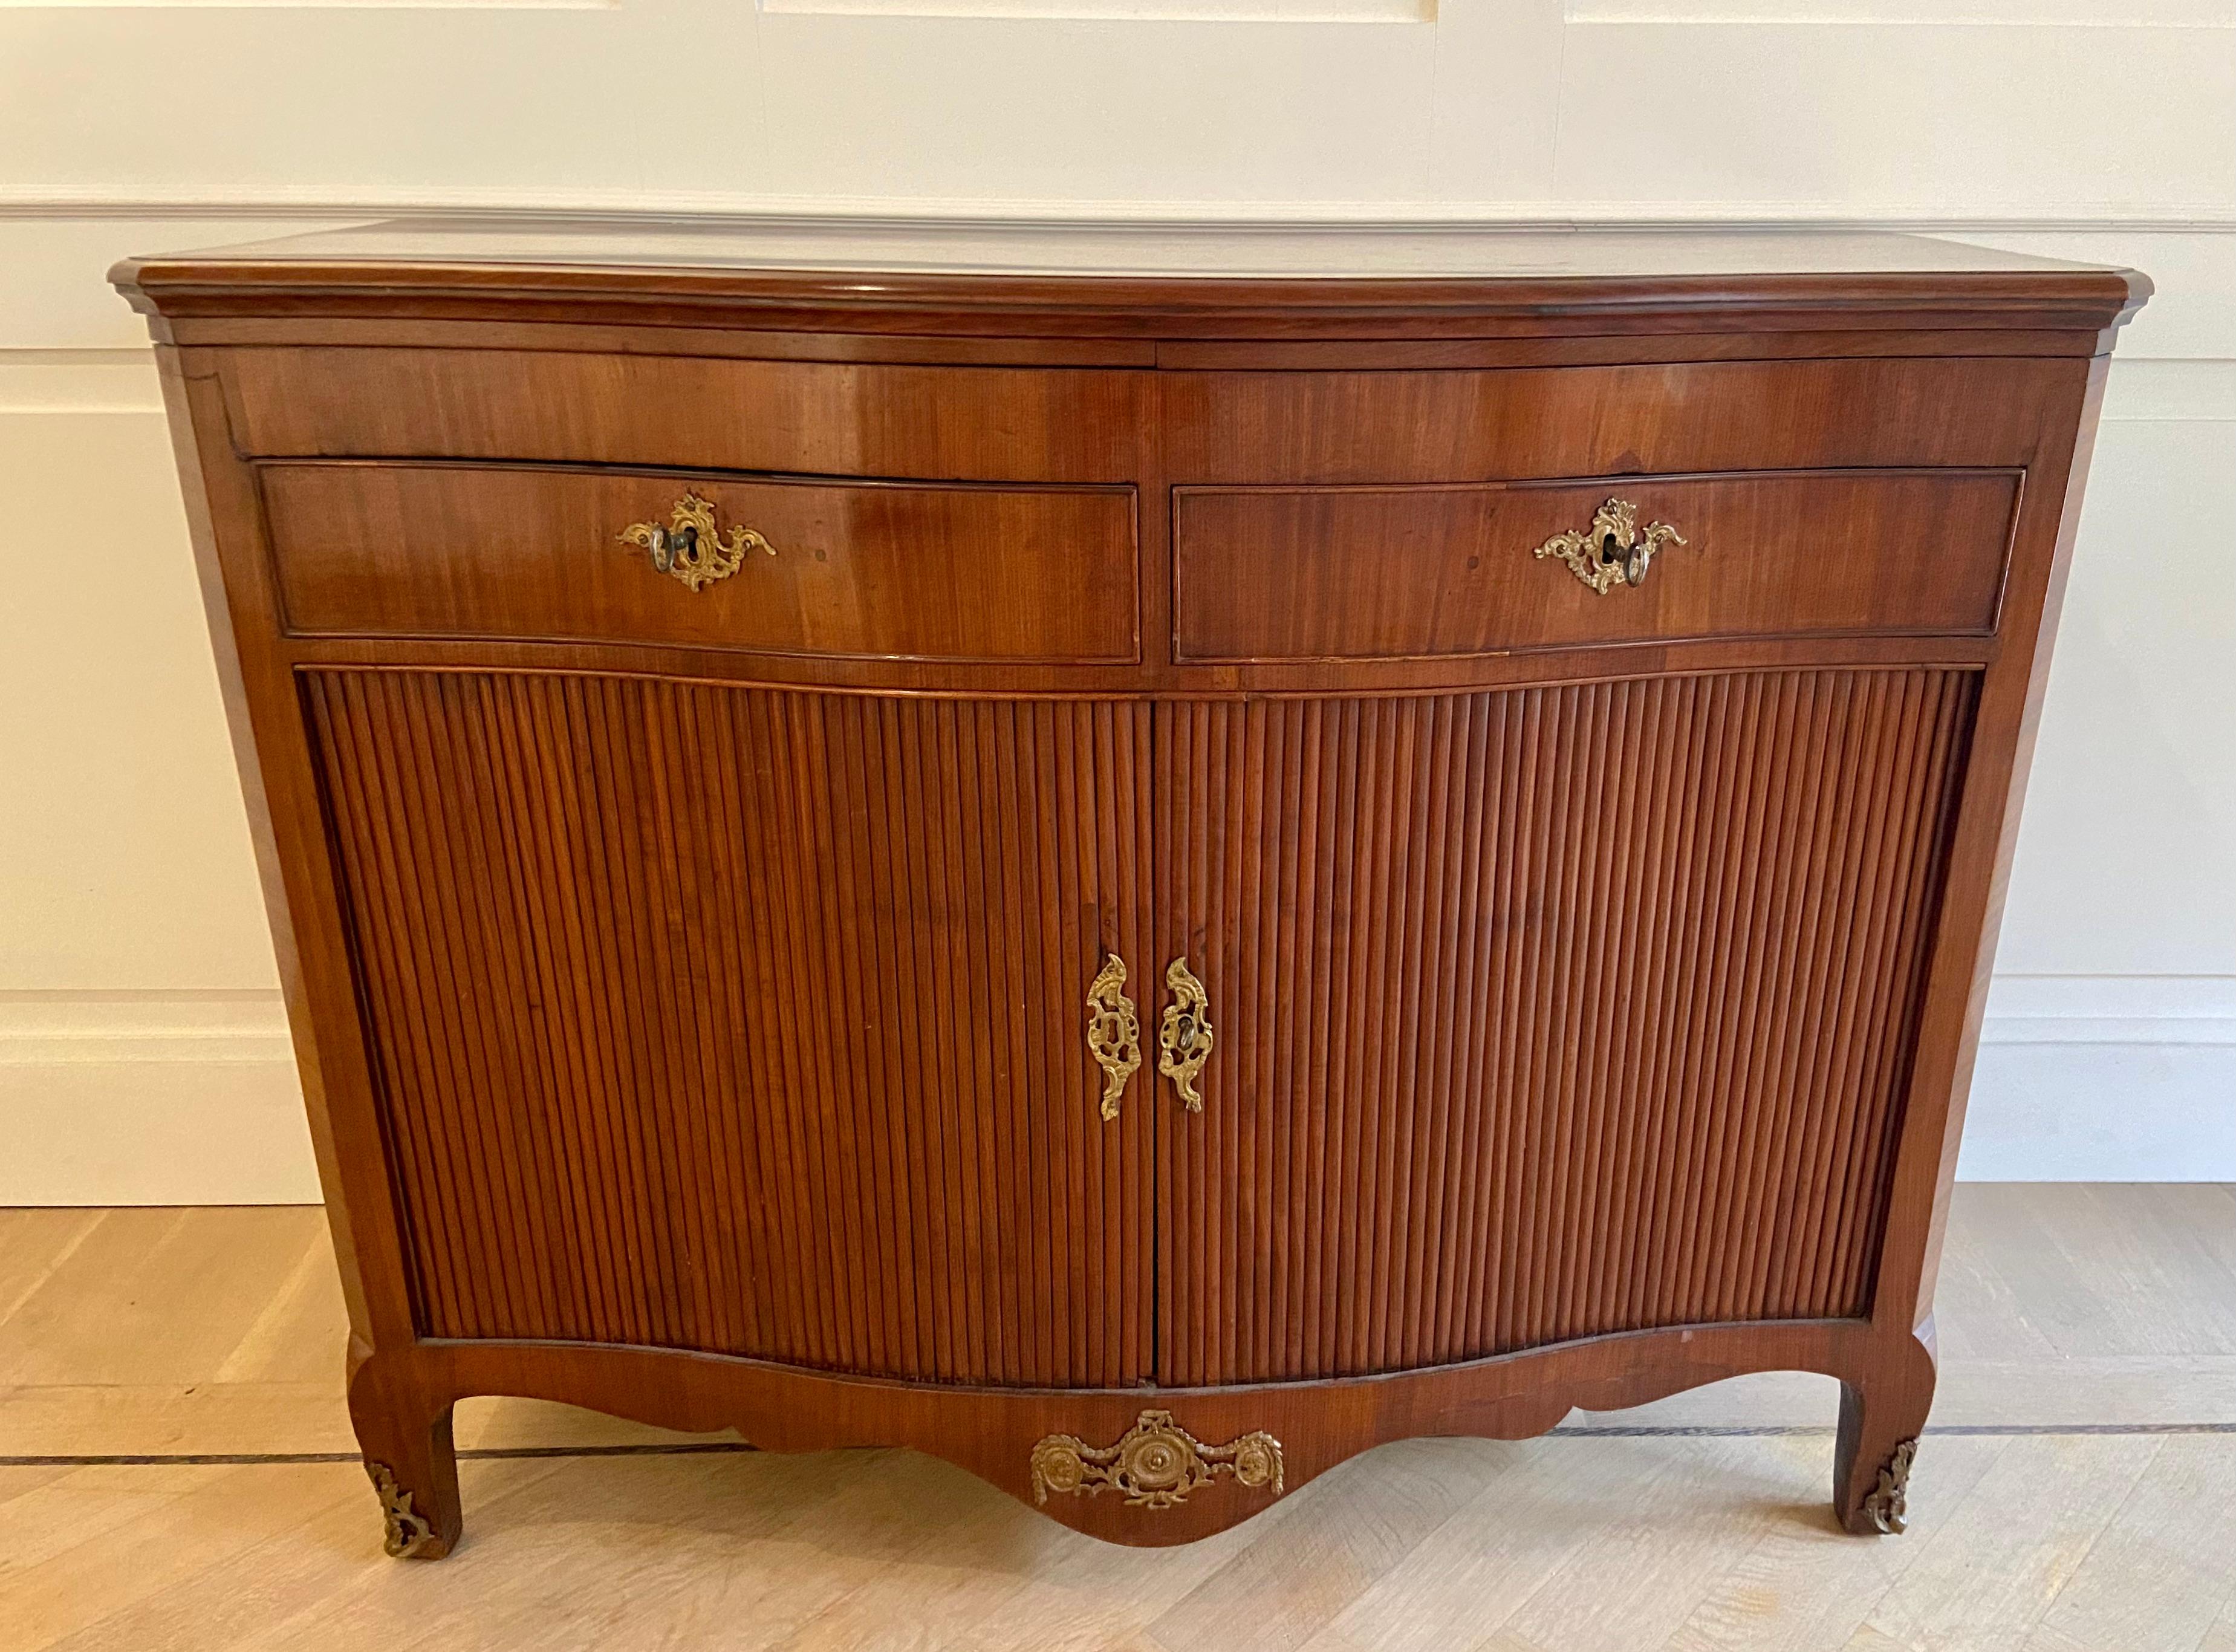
x: 1541, y: 1013
x: 751, y: 1021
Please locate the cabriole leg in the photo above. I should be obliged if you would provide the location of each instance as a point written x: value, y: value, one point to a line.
x: 1882, y: 1414
x: 412, y: 1462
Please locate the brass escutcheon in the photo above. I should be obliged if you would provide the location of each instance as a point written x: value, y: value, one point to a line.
x: 691, y: 548
x: 1614, y: 550
x: 1113, y: 1035
x: 1184, y: 1034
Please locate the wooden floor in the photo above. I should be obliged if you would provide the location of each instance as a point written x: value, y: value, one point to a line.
x: 176, y: 1471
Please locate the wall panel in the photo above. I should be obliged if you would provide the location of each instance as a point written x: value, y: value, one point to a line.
x: 2104, y: 132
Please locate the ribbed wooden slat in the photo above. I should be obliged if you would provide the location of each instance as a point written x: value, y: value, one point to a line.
x: 752, y: 1022
x: 1542, y: 1013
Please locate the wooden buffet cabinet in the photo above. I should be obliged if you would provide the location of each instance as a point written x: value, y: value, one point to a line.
x: 1140, y: 880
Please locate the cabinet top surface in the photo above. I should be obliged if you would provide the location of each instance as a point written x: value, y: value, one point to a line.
x: 1169, y: 281
x: 1145, y: 252
x: 870, y: 249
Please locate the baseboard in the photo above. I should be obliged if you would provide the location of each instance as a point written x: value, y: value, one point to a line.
x: 2105, y: 1078
x: 189, y: 1098
x: 150, y: 1098
x: 2102, y: 1113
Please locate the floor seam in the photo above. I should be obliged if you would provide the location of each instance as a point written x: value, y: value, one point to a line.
x: 701, y: 1448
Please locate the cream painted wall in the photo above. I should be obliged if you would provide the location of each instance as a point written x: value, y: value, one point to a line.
x: 142, y: 1057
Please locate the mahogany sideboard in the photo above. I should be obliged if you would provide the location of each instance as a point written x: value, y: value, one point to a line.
x: 1141, y: 859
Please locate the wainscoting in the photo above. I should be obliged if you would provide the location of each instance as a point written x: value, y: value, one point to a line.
x: 141, y: 1056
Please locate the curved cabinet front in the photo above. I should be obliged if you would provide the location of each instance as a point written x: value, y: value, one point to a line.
x: 757, y: 1023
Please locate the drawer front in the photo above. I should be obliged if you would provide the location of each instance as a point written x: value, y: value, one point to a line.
x: 815, y: 418
x: 874, y: 570
x: 1686, y: 418
x: 1412, y: 571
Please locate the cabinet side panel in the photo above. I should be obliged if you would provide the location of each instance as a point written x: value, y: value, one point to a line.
x: 1544, y: 1013
x: 749, y: 1022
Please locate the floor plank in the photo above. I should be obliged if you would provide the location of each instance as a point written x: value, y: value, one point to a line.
x: 154, y: 1295
x: 178, y: 1522
x: 1335, y: 1537
x: 1983, y: 1578
x: 1807, y: 1586
x: 2162, y: 1570
x: 1542, y: 1501
x: 1693, y: 1509
x: 33, y: 1244
x: 2221, y: 1637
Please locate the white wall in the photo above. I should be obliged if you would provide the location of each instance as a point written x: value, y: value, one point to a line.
x: 142, y: 1052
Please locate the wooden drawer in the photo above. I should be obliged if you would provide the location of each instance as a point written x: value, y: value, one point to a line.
x: 1682, y: 419
x: 803, y: 417
x: 884, y: 570
x: 1306, y: 573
